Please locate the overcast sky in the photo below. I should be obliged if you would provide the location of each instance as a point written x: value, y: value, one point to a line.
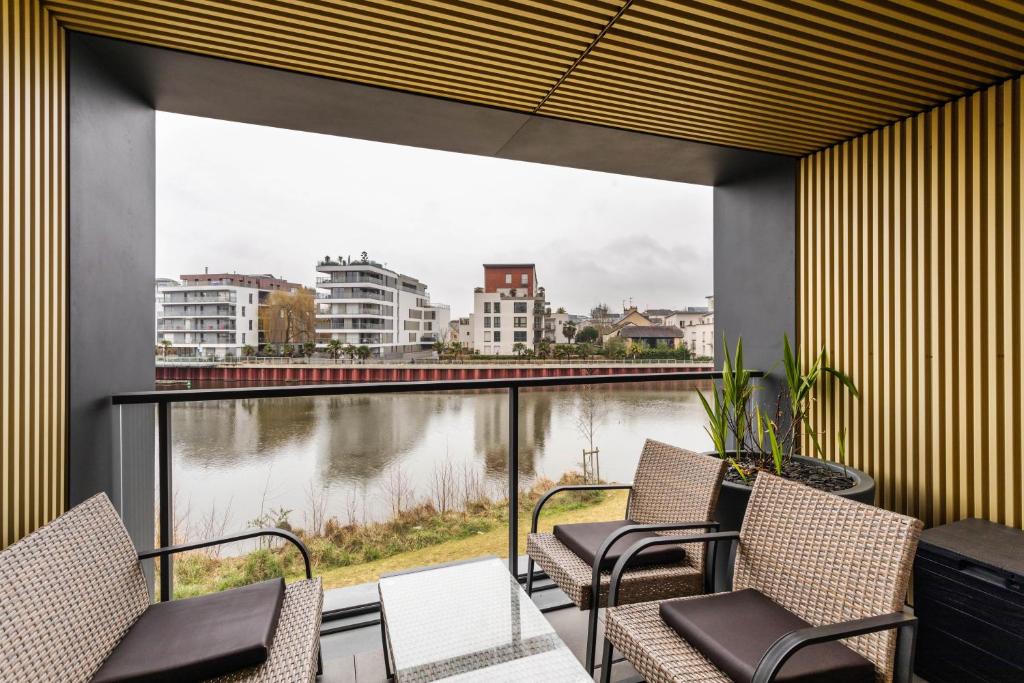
x: 245, y: 198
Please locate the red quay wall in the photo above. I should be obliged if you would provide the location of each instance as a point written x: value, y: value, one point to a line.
x: 315, y: 373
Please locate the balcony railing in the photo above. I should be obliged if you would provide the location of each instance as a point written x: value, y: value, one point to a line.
x: 356, y: 294
x: 194, y: 298
x: 346, y: 278
x: 348, y: 325
x: 190, y: 311
x: 163, y: 400
x: 360, y: 309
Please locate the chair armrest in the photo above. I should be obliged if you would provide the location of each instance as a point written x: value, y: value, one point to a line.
x: 620, y: 566
x: 255, y: 533
x: 783, y: 648
x: 595, y: 582
x: 575, y: 487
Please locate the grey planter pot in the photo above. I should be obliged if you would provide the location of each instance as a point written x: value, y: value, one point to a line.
x: 733, y: 498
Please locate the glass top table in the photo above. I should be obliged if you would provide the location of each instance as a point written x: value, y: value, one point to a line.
x: 466, y: 622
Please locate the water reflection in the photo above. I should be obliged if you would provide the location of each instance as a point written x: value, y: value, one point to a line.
x: 490, y: 430
x: 274, y: 452
x: 230, y: 433
x: 363, y: 435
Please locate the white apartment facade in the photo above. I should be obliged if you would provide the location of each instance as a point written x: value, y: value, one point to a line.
x: 509, y: 309
x: 363, y: 303
x: 554, y: 327
x: 463, y: 332
x: 208, y: 321
x: 698, y: 326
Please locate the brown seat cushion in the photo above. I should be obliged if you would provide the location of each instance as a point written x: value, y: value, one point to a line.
x: 734, y: 630
x: 198, y: 638
x: 586, y: 540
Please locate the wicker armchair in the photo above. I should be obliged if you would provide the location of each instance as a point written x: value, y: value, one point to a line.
x: 673, y: 490
x: 70, y: 591
x: 841, y: 566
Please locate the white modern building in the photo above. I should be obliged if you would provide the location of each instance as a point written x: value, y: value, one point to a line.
x: 210, y: 321
x: 363, y: 303
x: 554, y: 327
x: 463, y: 332
x: 509, y: 309
x: 698, y: 325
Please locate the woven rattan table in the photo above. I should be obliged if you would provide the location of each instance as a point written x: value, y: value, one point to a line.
x: 469, y: 622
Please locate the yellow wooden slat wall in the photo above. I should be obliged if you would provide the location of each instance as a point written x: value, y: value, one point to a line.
x: 910, y: 274
x: 32, y: 271
x: 775, y: 75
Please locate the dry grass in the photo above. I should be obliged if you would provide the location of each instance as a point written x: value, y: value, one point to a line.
x: 493, y: 542
x: 418, y: 534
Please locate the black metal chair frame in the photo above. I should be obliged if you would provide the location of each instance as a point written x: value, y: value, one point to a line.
x: 245, y: 535
x: 595, y: 585
x: 783, y: 648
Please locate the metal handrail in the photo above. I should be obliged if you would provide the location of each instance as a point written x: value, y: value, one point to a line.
x: 164, y: 399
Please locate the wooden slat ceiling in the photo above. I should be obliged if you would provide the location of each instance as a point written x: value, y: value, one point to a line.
x: 789, y: 76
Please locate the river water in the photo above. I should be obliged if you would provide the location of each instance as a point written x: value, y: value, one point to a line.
x: 352, y: 457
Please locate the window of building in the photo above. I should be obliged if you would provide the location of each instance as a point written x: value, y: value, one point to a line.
x: 243, y: 311
x: 412, y: 336
x: 508, y: 278
x: 519, y: 322
x: 250, y: 298
x: 497, y: 307
x: 250, y: 326
x: 487, y: 336
x: 497, y: 321
x: 519, y: 336
x: 487, y: 307
x: 487, y: 321
x: 519, y: 307
x: 497, y: 336
x: 524, y: 279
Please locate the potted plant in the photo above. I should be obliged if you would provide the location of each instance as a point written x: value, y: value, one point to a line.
x: 754, y: 439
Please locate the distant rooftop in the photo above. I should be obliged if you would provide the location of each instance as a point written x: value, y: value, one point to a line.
x: 650, y: 332
x: 255, y: 280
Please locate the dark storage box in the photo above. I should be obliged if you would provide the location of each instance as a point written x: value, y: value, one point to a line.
x: 969, y: 597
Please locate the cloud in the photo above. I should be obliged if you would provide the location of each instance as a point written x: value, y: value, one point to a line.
x: 239, y: 197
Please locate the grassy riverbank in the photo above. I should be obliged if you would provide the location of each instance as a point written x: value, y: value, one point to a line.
x: 360, y: 553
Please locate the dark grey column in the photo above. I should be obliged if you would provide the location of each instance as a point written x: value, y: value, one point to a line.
x: 755, y: 265
x: 111, y: 261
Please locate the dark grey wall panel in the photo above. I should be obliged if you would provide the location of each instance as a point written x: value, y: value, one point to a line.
x: 755, y: 264
x: 112, y: 224
x: 205, y: 86
x: 599, y: 148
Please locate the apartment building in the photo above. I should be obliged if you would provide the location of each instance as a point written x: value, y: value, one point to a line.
x: 364, y: 303
x: 462, y: 331
x: 509, y: 309
x: 698, y: 326
x: 265, y: 283
x: 208, y: 321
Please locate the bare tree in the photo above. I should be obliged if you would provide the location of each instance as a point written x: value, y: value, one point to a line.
x: 316, y: 516
x: 474, y: 489
x: 399, y: 490
x: 591, y: 410
x: 443, y: 486
x: 289, y: 317
x: 214, y: 525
